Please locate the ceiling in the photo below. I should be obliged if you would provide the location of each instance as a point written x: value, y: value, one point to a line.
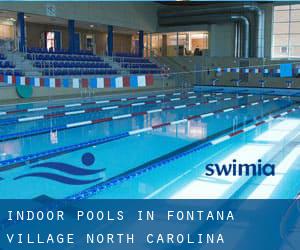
x: 10, y: 17
x: 201, y: 3
x: 184, y: 3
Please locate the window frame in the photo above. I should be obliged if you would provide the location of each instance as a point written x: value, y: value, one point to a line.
x: 289, y: 34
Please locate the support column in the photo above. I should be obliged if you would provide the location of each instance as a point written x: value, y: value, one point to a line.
x: 141, y: 43
x: 164, y: 46
x: 71, y: 35
x: 110, y: 40
x: 151, y: 52
x: 147, y: 46
x: 177, y: 44
x: 21, y: 31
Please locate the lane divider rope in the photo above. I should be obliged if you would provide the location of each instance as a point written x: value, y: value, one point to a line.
x: 79, y: 104
x: 89, y: 192
x: 11, y: 121
x: 24, y: 160
x: 106, y: 119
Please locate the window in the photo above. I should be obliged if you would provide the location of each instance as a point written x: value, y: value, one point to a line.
x: 157, y: 44
x: 6, y: 32
x: 286, y: 33
x: 50, y: 40
x: 186, y: 43
x: 199, y: 40
x: 90, y: 42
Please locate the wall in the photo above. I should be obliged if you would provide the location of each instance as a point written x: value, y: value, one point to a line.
x: 268, y: 9
x: 221, y: 35
x: 139, y: 16
x: 206, y: 65
x: 126, y: 15
x: 122, y: 42
x: 34, y: 31
x: 9, y: 94
x: 221, y: 40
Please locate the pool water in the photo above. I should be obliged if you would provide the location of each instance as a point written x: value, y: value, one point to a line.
x: 149, y: 145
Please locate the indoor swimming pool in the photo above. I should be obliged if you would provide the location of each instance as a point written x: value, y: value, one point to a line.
x: 150, y: 145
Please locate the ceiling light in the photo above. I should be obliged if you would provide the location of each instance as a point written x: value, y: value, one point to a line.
x: 11, y: 19
x: 92, y: 25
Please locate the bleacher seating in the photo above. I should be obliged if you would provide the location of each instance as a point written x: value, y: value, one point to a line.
x: 14, y: 72
x: 136, y: 64
x: 59, y: 63
x: 72, y: 71
x: 57, y: 51
x: 64, y: 57
x: 62, y: 64
x: 139, y: 65
x: 5, y: 64
x: 125, y: 54
x: 146, y: 71
x: 7, y: 67
x: 131, y: 60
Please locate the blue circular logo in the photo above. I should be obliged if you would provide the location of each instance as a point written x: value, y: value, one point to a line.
x: 88, y: 159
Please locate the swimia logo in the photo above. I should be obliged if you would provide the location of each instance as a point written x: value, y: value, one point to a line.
x: 68, y: 174
x: 240, y: 169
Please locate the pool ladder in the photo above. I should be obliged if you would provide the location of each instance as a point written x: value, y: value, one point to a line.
x: 234, y: 124
x: 289, y: 83
x: 214, y: 81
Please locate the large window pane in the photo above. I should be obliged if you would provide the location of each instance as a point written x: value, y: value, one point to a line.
x: 281, y: 16
x: 157, y: 44
x: 171, y: 39
x: 295, y: 27
x: 199, y: 40
x: 281, y: 7
x: 188, y: 43
x: 286, y: 31
x: 294, y: 40
x: 280, y: 52
x: 295, y: 51
x: 280, y: 40
x: 295, y: 15
x: 295, y: 6
x: 281, y: 28
x: 6, y: 32
x: 183, y: 39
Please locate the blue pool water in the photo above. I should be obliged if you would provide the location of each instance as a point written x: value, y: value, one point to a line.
x: 82, y: 166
